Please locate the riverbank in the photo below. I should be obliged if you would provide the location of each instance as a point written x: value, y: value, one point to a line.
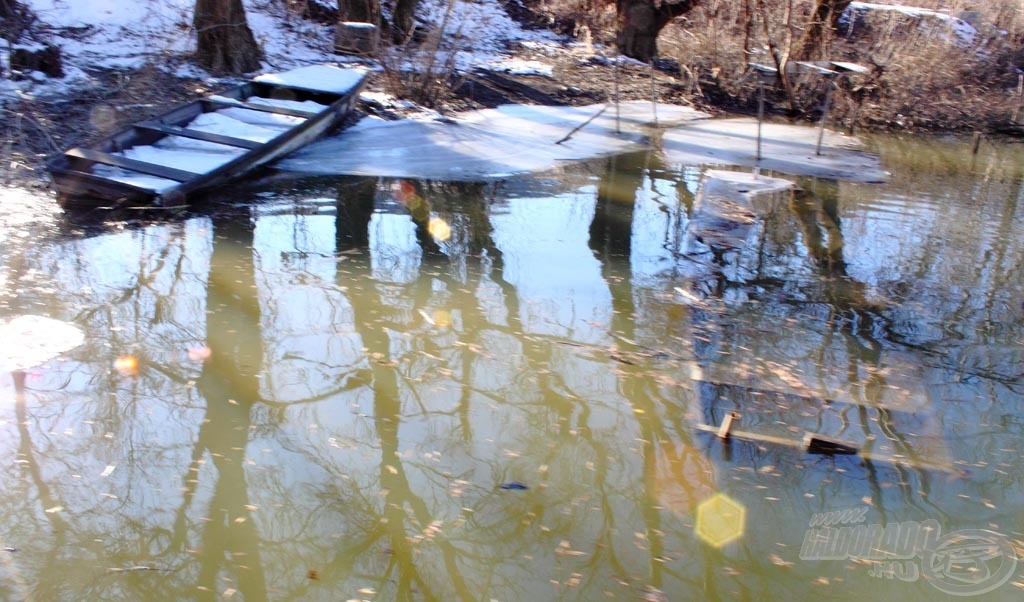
x: 532, y: 65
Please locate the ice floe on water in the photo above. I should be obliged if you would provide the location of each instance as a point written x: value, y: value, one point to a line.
x: 487, y: 144
x: 518, y: 139
x: 785, y: 148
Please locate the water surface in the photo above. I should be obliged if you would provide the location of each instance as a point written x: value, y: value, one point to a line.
x: 352, y: 388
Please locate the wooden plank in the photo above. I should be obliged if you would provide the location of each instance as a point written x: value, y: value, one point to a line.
x: 161, y: 171
x: 199, y: 135
x: 808, y: 66
x: 854, y: 67
x: 820, y: 444
x: 239, y: 104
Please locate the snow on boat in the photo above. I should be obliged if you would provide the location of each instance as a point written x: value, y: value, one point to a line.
x: 208, y: 142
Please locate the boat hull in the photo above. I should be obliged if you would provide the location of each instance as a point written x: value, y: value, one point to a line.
x: 78, y: 186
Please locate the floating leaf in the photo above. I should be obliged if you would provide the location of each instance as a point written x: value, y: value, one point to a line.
x: 513, y: 486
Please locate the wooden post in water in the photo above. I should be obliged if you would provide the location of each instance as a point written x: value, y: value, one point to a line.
x: 618, y: 127
x: 824, y: 115
x: 765, y: 74
x: 654, y: 98
x: 760, y: 116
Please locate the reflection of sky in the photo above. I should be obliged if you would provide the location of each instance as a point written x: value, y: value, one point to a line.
x: 395, y: 252
x: 876, y: 232
x: 544, y: 242
x: 659, y: 223
x: 307, y: 321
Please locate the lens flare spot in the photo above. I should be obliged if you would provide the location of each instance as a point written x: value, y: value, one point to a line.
x: 442, y: 318
x: 439, y: 229
x: 720, y: 520
x: 404, y: 192
x: 199, y: 354
x: 127, y: 365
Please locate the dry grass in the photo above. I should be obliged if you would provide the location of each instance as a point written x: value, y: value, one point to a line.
x: 919, y: 78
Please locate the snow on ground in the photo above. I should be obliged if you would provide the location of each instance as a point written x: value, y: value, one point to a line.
x: 127, y: 34
x: 486, y: 144
x: 965, y: 34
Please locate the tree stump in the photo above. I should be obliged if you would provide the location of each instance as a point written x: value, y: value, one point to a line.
x: 356, y: 38
x: 45, y: 60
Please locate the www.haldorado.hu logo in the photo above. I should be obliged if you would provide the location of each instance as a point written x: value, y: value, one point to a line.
x: 967, y: 562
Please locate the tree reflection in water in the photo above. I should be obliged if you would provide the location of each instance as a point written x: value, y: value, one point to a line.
x: 373, y: 381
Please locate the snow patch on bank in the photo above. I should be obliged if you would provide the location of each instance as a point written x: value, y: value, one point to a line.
x: 126, y: 34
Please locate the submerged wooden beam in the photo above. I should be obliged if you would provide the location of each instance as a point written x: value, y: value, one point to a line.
x: 819, y: 444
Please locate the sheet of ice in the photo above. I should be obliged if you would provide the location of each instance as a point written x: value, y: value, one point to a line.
x: 32, y: 340
x: 788, y: 149
x: 324, y: 78
x: 487, y: 144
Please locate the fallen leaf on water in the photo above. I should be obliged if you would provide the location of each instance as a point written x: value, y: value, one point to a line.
x: 312, y: 574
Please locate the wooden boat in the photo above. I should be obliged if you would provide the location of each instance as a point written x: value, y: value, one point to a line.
x: 207, y: 143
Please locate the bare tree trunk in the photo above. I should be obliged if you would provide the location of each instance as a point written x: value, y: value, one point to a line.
x: 640, y: 22
x: 15, y: 18
x: 359, y: 11
x: 402, y: 22
x: 226, y: 44
x: 7, y: 8
x: 823, y: 23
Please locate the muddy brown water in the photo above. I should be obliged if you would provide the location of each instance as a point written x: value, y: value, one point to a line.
x: 356, y: 388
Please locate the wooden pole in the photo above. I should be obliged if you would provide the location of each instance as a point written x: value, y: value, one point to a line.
x: 760, y: 114
x: 618, y: 128
x: 654, y: 98
x: 824, y: 116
